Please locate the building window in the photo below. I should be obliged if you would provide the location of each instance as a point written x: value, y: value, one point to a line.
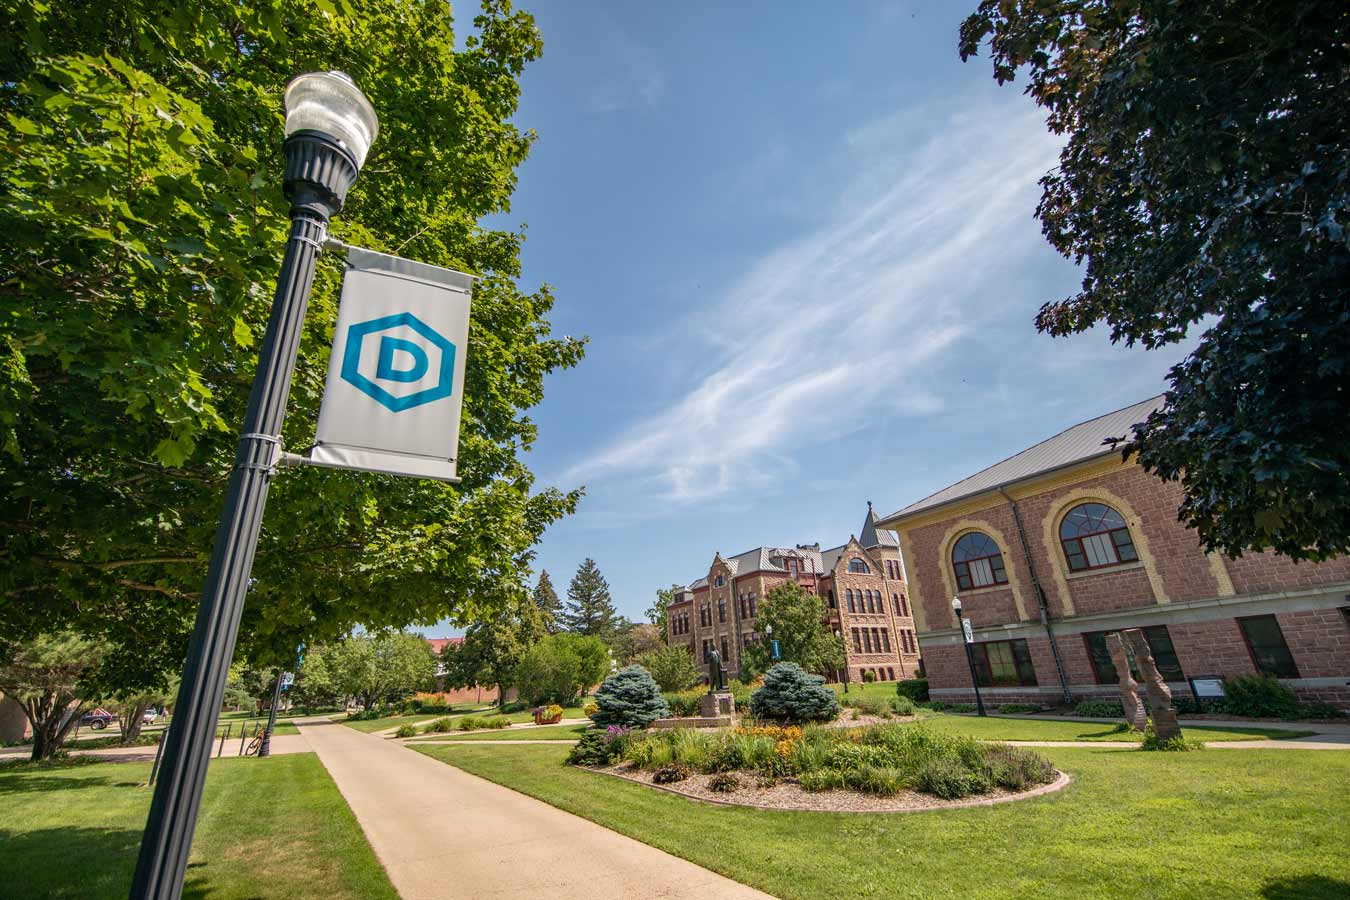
x: 886, y: 639
x: 872, y: 603
x: 858, y: 567
x: 848, y: 596
x: 1004, y: 664
x: 719, y: 581
x: 834, y: 604
x: 707, y: 648
x: 752, y: 604
x: 726, y: 657
x: 721, y: 609
x: 1266, y: 643
x: 1159, y: 642
x: 867, y: 640
x: 977, y: 561
x: 857, y: 642
x: 1094, y: 535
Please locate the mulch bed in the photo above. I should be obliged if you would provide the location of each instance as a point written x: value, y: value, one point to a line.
x: 787, y: 794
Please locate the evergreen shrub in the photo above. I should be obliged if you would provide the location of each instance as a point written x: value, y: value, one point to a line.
x: 791, y: 695
x: 630, y: 697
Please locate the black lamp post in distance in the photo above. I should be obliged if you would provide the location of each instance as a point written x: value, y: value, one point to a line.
x: 970, y: 655
x: 330, y: 126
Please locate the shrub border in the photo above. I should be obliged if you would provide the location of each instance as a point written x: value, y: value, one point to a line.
x: 1057, y: 785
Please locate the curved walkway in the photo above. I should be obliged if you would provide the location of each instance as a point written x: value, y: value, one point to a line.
x: 441, y: 832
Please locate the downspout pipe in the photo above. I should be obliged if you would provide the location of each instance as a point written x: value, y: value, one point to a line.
x: 1041, y: 602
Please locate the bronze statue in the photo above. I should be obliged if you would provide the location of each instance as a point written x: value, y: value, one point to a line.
x: 715, y: 672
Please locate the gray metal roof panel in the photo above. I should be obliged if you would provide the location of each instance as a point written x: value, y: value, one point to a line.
x: 1076, y: 444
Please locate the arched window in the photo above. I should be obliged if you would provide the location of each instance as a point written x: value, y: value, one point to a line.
x: 977, y: 562
x: 858, y: 566
x: 871, y: 602
x: 1094, y: 535
x: 719, y: 581
x: 848, y: 596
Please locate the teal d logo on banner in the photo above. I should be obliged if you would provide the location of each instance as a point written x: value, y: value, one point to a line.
x: 399, y: 362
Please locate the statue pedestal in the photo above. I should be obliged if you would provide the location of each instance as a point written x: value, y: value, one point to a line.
x: 717, y: 703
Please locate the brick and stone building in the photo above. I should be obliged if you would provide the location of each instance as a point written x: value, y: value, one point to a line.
x: 861, y: 583
x: 1056, y: 546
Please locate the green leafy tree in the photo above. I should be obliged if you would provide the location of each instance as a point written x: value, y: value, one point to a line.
x: 131, y: 708
x: 494, y: 646
x: 633, y: 639
x: 549, y: 672
x: 144, y: 223
x: 671, y: 667
x: 589, y: 608
x: 316, y: 683
x: 798, y: 622
x: 546, y: 598
x: 53, y: 678
x: 376, y: 669
x: 629, y: 698
x: 593, y: 658
x: 658, y: 613
x: 1206, y: 178
x: 793, y: 695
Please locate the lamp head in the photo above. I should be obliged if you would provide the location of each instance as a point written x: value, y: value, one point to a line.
x: 331, y: 104
x: 956, y: 605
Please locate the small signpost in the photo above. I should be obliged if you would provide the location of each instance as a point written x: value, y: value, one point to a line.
x: 287, y: 679
x: 969, y: 632
x: 777, y: 653
x: 1207, y: 688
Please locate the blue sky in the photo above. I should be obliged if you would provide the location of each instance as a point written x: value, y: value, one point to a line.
x: 801, y: 240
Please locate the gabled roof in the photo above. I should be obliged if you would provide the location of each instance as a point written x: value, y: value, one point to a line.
x: 1080, y: 443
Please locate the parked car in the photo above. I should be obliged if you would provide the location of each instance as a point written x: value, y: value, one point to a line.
x: 149, y: 716
x: 97, y: 719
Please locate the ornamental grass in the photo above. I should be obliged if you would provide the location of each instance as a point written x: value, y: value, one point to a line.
x: 882, y: 759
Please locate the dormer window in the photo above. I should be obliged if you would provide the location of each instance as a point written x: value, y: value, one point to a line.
x: 858, y: 567
x: 719, y: 581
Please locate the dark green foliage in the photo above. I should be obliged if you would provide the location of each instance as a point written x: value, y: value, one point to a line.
x: 1099, y: 709
x: 440, y: 726
x: 795, y: 616
x: 1178, y: 744
x: 791, y: 695
x: 946, y: 777
x: 1206, y: 178
x: 869, y: 676
x: 672, y: 667
x: 684, y: 703
x: 670, y: 774
x: 406, y: 731
x: 1009, y: 709
x: 915, y: 689
x: 1259, y: 697
x: 559, y: 668
x: 629, y: 698
x: 546, y: 599
x: 723, y: 783
x: 144, y: 223
x: 1320, y: 709
x: 1016, y: 769
x: 902, y: 706
x: 589, y: 608
x: 593, y: 749
x: 962, y: 707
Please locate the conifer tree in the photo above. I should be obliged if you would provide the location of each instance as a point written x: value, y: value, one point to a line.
x: 589, y: 609
x: 546, y: 598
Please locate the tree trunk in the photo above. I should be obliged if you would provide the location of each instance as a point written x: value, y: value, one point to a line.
x: 51, y: 722
x: 130, y: 719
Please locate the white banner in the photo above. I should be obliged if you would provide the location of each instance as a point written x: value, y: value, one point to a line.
x: 396, y: 376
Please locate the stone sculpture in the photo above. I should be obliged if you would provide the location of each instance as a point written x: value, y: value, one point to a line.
x: 1165, y: 724
x: 1135, y: 714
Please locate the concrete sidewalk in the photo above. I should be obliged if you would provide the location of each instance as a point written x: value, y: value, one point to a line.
x: 441, y: 832
x: 281, y: 743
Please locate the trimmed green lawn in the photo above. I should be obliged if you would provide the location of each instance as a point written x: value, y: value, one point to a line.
x: 883, y: 689
x: 369, y: 725
x: 542, y: 733
x: 268, y: 828
x: 1000, y: 729
x: 1212, y: 825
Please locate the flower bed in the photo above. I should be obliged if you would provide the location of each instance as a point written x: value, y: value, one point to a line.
x: 878, y: 767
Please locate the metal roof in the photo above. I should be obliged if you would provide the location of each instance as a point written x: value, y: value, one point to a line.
x: 1082, y: 442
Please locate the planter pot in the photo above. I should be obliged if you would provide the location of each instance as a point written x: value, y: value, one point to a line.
x: 547, y: 720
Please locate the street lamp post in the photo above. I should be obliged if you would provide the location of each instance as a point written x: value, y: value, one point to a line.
x: 840, y: 635
x: 329, y: 128
x: 970, y: 655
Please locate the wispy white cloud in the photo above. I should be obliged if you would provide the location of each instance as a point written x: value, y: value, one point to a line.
x: 633, y: 77
x: 825, y: 332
